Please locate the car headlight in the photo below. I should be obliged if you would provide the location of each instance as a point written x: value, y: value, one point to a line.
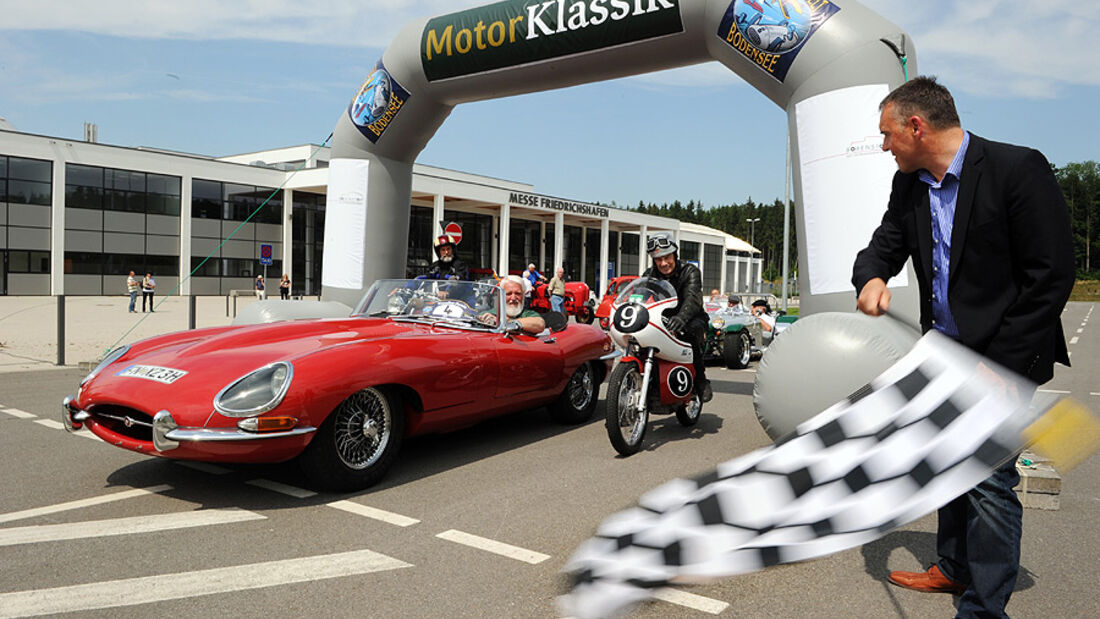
x: 256, y: 392
x: 111, y: 357
x: 718, y: 323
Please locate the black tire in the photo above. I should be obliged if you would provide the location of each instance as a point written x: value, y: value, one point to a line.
x: 357, y: 443
x: 578, y: 399
x: 623, y: 390
x: 737, y: 349
x: 688, y: 414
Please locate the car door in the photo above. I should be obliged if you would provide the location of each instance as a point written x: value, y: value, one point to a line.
x: 529, y: 366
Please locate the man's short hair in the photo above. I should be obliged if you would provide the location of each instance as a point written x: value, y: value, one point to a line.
x: 923, y: 96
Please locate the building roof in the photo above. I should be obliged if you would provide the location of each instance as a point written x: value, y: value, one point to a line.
x: 732, y: 242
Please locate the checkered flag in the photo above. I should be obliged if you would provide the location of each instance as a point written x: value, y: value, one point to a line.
x: 931, y: 427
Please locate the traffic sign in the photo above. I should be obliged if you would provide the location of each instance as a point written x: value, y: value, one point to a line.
x: 265, y: 255
x: 454, y: 230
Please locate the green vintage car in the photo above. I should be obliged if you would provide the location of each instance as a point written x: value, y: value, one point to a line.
x: 735, y: 335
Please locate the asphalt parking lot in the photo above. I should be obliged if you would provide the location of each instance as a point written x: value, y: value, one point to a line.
x: 470, y: 524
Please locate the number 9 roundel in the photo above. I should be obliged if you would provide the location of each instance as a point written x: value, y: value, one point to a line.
x: 630, y: 318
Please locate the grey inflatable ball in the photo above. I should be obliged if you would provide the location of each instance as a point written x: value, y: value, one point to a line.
x: 819, y: 361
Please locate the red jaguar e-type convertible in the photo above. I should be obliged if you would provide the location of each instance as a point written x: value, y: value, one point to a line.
x: 416, y: 356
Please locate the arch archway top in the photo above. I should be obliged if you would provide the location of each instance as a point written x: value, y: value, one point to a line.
x: 517, y: 47
x: 789, y: 50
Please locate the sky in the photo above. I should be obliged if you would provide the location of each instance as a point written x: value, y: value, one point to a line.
x: 222, y: 77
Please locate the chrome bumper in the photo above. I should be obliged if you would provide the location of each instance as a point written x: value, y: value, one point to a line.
x: 167, y: 434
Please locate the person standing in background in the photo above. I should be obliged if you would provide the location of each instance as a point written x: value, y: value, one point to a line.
x: 557, y: 290
x: 133, y: 287
x: 148, y: 286
x: 284, y: 287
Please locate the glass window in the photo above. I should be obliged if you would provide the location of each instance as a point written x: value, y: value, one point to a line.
x: 162, y: 184
x: 421, y: 252
x: 122, y: 264
x: 30, y: 170
x: 204, y: 267
x: 712, y: 266
x: 80, y: 196
x: 18, y: 261
x: 83, y: 263
x: 3, y: 190
x: 3, y: 166
x: 29, y: 192
x: 162, y: 265
x: 689, y: 250
x: 89, y: 176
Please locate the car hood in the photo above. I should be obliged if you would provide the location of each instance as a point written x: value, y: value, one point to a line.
x: 212, y: 358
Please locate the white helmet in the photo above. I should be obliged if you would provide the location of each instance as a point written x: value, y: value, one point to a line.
x: 661, y: 244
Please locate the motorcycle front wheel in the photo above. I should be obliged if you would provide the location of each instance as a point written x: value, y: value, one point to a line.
x: 626, y: 425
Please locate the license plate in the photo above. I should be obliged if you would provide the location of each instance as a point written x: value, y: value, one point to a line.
x: 152, y: 372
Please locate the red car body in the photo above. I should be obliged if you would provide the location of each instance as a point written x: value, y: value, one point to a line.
x: 426, y: 374
x: 603, y: 310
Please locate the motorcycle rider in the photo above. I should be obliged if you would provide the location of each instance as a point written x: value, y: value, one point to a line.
x: 689, y: 320
x: 448, y: 265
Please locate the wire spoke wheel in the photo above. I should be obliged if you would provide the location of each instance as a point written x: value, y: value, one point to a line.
x: 626, y: 425
x: 363, y: 425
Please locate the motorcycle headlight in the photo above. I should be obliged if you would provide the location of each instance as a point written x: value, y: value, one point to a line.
x: 256, y: 392
x: 111, y: 357
x: 718, y: 323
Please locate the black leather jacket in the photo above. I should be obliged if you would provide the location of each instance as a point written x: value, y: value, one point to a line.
x: 455, y: 269
x: 688, y: 282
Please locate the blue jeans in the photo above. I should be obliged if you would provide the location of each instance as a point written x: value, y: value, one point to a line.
x: 978, y: 542
x: 557, y: 302
x: 133, y: 299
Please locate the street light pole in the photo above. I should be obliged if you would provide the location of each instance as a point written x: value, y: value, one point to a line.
x: 752, y: 241
x: 752, y: 230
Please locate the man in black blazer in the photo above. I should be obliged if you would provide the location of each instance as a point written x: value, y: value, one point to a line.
x: 989, y: 234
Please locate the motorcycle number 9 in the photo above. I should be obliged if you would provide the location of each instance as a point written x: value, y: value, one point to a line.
x: 630, y: 318
x: 679, y: 381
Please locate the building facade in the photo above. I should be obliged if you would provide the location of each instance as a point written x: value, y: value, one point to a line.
x: 77, y: 217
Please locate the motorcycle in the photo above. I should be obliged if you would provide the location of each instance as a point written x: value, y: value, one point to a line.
x: 655, y: 374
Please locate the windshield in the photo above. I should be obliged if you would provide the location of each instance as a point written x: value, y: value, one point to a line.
x: 646, y: 290
x: 472, y: 303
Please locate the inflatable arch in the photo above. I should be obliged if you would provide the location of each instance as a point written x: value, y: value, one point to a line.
x: 828, y: 63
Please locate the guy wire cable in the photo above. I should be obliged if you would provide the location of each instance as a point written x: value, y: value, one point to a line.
x: 216, y: 249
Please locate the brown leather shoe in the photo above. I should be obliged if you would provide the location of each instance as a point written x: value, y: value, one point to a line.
x: 932, y: 581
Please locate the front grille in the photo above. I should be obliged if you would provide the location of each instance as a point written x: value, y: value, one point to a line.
x: 124, y: 421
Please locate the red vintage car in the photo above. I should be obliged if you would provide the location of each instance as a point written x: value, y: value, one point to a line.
x: 577, y: 302
x: 603, y: 310
x: 340, y: 394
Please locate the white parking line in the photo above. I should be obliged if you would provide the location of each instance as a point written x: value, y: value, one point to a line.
x: 50, y: 423
x: 164, y: 587
x: 1094, y: 393
x: 1053, y: 391
x: 376, y: 514
x: 123, y: 526
x: 205, y: 467
x: 1080, y: 330
x: 294, y: 491
x: 696, y: 602
x: 15, y: 412
x: 1073, y: 340
x: 97, y: 500
x: 493, y: 546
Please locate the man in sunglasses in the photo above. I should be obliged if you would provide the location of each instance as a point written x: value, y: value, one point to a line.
x: 689, y: 319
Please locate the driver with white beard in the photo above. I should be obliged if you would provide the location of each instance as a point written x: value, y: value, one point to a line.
x: 519, y: 318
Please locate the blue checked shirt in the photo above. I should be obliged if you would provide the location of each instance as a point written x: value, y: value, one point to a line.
x: 942, y: 197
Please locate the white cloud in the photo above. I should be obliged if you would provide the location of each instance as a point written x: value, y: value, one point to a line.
x: 1002, y: 47
x: 372, y: 23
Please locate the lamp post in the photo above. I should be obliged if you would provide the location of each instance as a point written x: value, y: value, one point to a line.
x: 752, y: 230
x: 752, y: 241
